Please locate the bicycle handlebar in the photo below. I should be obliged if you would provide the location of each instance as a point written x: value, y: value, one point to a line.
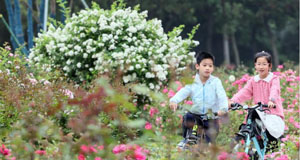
x: 237, y: 106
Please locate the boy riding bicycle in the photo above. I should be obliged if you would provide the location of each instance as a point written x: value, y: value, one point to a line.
x: 207, y: 93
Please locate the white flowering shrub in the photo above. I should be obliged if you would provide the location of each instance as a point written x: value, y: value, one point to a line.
x: 98, y: 41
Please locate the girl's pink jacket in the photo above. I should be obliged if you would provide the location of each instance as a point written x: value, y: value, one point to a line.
x: 262, y: 90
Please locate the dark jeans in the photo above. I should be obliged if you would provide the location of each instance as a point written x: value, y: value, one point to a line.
x: 211, y: 126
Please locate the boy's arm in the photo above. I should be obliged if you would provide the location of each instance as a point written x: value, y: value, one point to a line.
x: 244, y: 94
x: 222, y: 98
x: 181, y: 94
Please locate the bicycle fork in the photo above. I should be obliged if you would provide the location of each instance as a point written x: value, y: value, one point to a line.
x: 261, y: 151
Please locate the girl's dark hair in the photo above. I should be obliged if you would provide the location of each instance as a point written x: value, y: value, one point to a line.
x: 263, y: 54
x: 204, y: 55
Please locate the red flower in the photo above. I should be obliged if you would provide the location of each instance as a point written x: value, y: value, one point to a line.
x: 81, y: 157
x: 223, y: 156
x: 4, y: 150
x: 40, y: 152
x: 148, y: 126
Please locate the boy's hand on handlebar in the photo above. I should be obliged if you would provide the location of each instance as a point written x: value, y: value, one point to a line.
x: 173, y: 106
x: 221, y: 113
x: 271, y: 104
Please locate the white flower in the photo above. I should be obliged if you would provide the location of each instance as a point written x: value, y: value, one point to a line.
x: 131, y: 68
x: 85, y: 55
x: 126, y: 79
x: 78, y: 65
x: 151, y: 85
x: 137, y: 66
x: 231, y: 78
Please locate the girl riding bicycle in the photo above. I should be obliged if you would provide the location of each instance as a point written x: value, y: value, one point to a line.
x: 264, y: 88
x: 207, y: 93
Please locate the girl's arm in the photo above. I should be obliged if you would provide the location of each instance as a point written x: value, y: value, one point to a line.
x: 245, y: 93
x: 275, y: 90
x: 181, y: 94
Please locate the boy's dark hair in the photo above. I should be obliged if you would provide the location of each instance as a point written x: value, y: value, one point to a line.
x: 263, y: 54
x: 204, y: 55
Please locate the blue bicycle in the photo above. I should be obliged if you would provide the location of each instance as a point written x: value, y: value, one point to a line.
x: 252, y: 136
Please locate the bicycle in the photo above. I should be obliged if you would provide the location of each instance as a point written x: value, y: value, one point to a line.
x: 197, y: 134
x: 253, y: 132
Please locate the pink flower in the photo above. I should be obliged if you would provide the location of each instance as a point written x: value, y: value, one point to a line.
x: 285, y: 138
x: 139, y: 154
x: 179, y: 88
x: 4, y: 150
x: 280, y: 66
x: 189, y: 102
x: 283, y: 157
x: 33, y: 81
x: 146, y: 106
x: 119, y: 148
x: 148, y: 126
x: 153, y: 111
x: 290, y: 89
x: 92, y: 149
x: 68, y: 93
x: 40, y: 152
x: 158, y: 120
x: 223, y: 156
x: 240, y: 112
x: 242, y: 156
x: 163, y: 104
x: 98, y: 158
x: 291, y: 120
x: 100, y: 147
x: 165, y: 90
x: 277, y: 73
x: 84, y: 149
x: 171, y: 93
x: 296, y: 124
x: 81, y: 157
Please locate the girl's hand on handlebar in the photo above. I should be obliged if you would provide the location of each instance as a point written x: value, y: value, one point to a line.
x: 173, y: 106
x: 271, y: 104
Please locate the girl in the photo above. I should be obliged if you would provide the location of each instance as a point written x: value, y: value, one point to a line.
x: 265, y: 88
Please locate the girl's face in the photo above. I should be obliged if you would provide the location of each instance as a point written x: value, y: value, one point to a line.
x: 205, y: 68
x: 262, y: 67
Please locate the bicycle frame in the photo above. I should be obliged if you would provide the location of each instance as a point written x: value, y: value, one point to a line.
x: 251, y: 136
x: 199, y: 130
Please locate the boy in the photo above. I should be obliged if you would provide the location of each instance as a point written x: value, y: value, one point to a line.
x: 206, y: 93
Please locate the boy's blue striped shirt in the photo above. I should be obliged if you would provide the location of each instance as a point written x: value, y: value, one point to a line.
x: 210, y: 95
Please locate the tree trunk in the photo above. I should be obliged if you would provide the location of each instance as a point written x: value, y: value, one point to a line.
x: 226, y: 48
x: 30, y: 25
x: 225, y: 38
x: 53, y: 9
x: 18, y: 26
x: 41, y: 13
x: 63, y: 15
x: 273, y: 45
x: 45, y: 15
x: 11, y: 21
x: 235, y: 50
x: 71, y: 6
x: 209, y: 34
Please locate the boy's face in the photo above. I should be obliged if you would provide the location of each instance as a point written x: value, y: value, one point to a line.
x: 205, y: 68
